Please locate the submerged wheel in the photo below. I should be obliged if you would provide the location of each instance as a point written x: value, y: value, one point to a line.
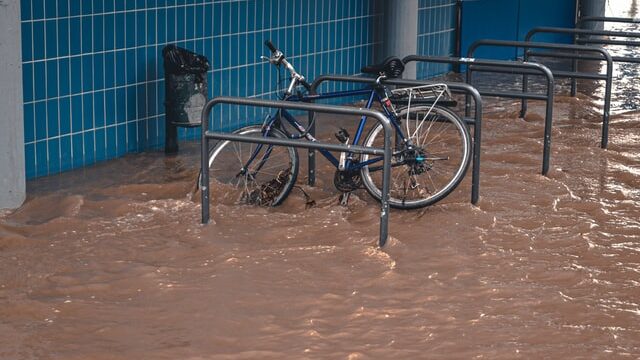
x: 269, y: 176
x: 435, y: 166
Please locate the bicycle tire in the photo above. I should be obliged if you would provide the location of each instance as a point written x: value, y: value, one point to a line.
x: 446, y: 147
x: 227, y: 158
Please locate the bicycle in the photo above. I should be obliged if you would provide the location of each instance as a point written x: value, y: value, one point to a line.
x: 432, y: 146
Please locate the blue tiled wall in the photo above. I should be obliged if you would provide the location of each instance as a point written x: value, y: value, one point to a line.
x: 93, y: 72
x: 436, y: 34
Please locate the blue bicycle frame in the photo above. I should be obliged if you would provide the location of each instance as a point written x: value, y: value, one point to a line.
x: 349, y: 165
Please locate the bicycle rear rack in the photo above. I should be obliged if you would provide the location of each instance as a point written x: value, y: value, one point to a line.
x: 510, y: 67
x: 455, y: 87
x: 343, y: 110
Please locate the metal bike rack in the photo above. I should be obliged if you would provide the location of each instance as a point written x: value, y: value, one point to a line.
x: 509, y: 67
x: 569, y: 52
x: 607, y: 19
x: 385, y: 152
x: 462, y: 88
x: 597, y: 41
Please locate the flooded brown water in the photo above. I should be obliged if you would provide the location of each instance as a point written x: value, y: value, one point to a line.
x: 112, y: 263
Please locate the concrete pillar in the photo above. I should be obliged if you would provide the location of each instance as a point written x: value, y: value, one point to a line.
x: 593, y: 8
x: 12, y: 167
x: 401, y: 31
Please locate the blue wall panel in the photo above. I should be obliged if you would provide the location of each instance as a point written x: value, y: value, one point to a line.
x: 93, y: 71
x: 511, y: 20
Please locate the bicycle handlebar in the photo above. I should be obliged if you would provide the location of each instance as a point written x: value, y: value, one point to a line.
x: 277, y: 58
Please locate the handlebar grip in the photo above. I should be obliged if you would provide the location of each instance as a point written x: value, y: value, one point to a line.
x: 270, y: 45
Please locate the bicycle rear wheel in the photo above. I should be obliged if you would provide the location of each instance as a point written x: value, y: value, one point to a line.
x: 432, y: 169
x: 252, y: 173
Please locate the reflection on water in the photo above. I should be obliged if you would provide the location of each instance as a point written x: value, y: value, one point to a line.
x: 112, y: 263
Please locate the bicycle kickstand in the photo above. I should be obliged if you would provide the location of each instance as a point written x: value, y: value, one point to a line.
x: 344, y: 198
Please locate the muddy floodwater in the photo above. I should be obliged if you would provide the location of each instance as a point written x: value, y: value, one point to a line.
x: 111, y: 262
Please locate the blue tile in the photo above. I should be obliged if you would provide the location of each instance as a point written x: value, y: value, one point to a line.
x: 40, y: 108
x: 30, y: 160
x: 87, y: 111
x: 151, y: 27
x: 109, y: 70
x: 141, y: 29
x: 98, y: 6
x: 25, y: 10
x: 29, y: 118
x: 89, y: 147
x: 141, y: 101
x: 63, y: 37
x: 180, y: 24
x: 170, y: 25
x: 87, y: 73
x: 121, y: 68
x: 27, y: 42
x: 98, y: 33
x: 87, y: 33
x: 75, y: 30
x: 110, y: 107
x: 120, y: 30
x: 151, y: 64
x: 154, y: 137
x: 38, y: 40
x: 52, y: 78
x: 64, y: 79
x: 52, y: 118
x: 41, y: 158
x: 74, y: 7
x: 121, y: 105
x: 54, y: 156
x: 76, y: 113
x: 50, y: 9
x: 27, y: 82
x: 37, y: 9
x: 141, y: 63
x: 122, y: 139
x: 109, y: 6
x: 131, y: 103
x: 151, y: 99
x: 98, y: 109
x: 77, y: 147
x: 63, y: 8
x: 112, y: 142
x: 142, y: 141
x: 120, y: 5
x: 132, y: 136
x: 86, y: 7
x: 101, y: 151
x: 109, y: 32
x: 131, y: 66
x: 191, y: 21
x: 208, y: 20
x: 130, y: 29
x: 76, y: 75
x: 65, y: 115
x: 98, y: 72
x: 161, y: 32
x: 66, y: 155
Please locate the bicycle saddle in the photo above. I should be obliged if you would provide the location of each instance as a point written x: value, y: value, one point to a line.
x: 392, y: 67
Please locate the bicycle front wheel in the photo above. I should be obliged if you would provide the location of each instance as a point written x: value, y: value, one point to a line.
x: 253, y: 173
x: 432, y: 168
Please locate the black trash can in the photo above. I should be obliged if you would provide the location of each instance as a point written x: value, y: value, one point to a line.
x: 185, y: 79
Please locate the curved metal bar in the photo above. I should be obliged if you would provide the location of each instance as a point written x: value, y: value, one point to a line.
x: 386, y: 151
x: 608, y: 19
x: 561, y: 30
x: 524, y: 67
x: 526, y: 45
x: 456, y: 87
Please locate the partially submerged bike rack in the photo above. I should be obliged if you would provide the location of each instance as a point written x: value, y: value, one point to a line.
x: 572, y: 52
x: 385, y: 152
x: 509, y: 67
x: 463, y: 88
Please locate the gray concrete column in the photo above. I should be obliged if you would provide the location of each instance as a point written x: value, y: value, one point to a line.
x: 401, y: 31
x: 12, y: 167
x: 593, y: 8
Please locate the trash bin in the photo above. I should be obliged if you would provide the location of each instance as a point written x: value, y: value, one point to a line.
x: 186, y: 93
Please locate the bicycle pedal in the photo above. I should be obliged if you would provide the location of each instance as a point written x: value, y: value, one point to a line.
x: 342, y: 136
x: 344, y: 198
